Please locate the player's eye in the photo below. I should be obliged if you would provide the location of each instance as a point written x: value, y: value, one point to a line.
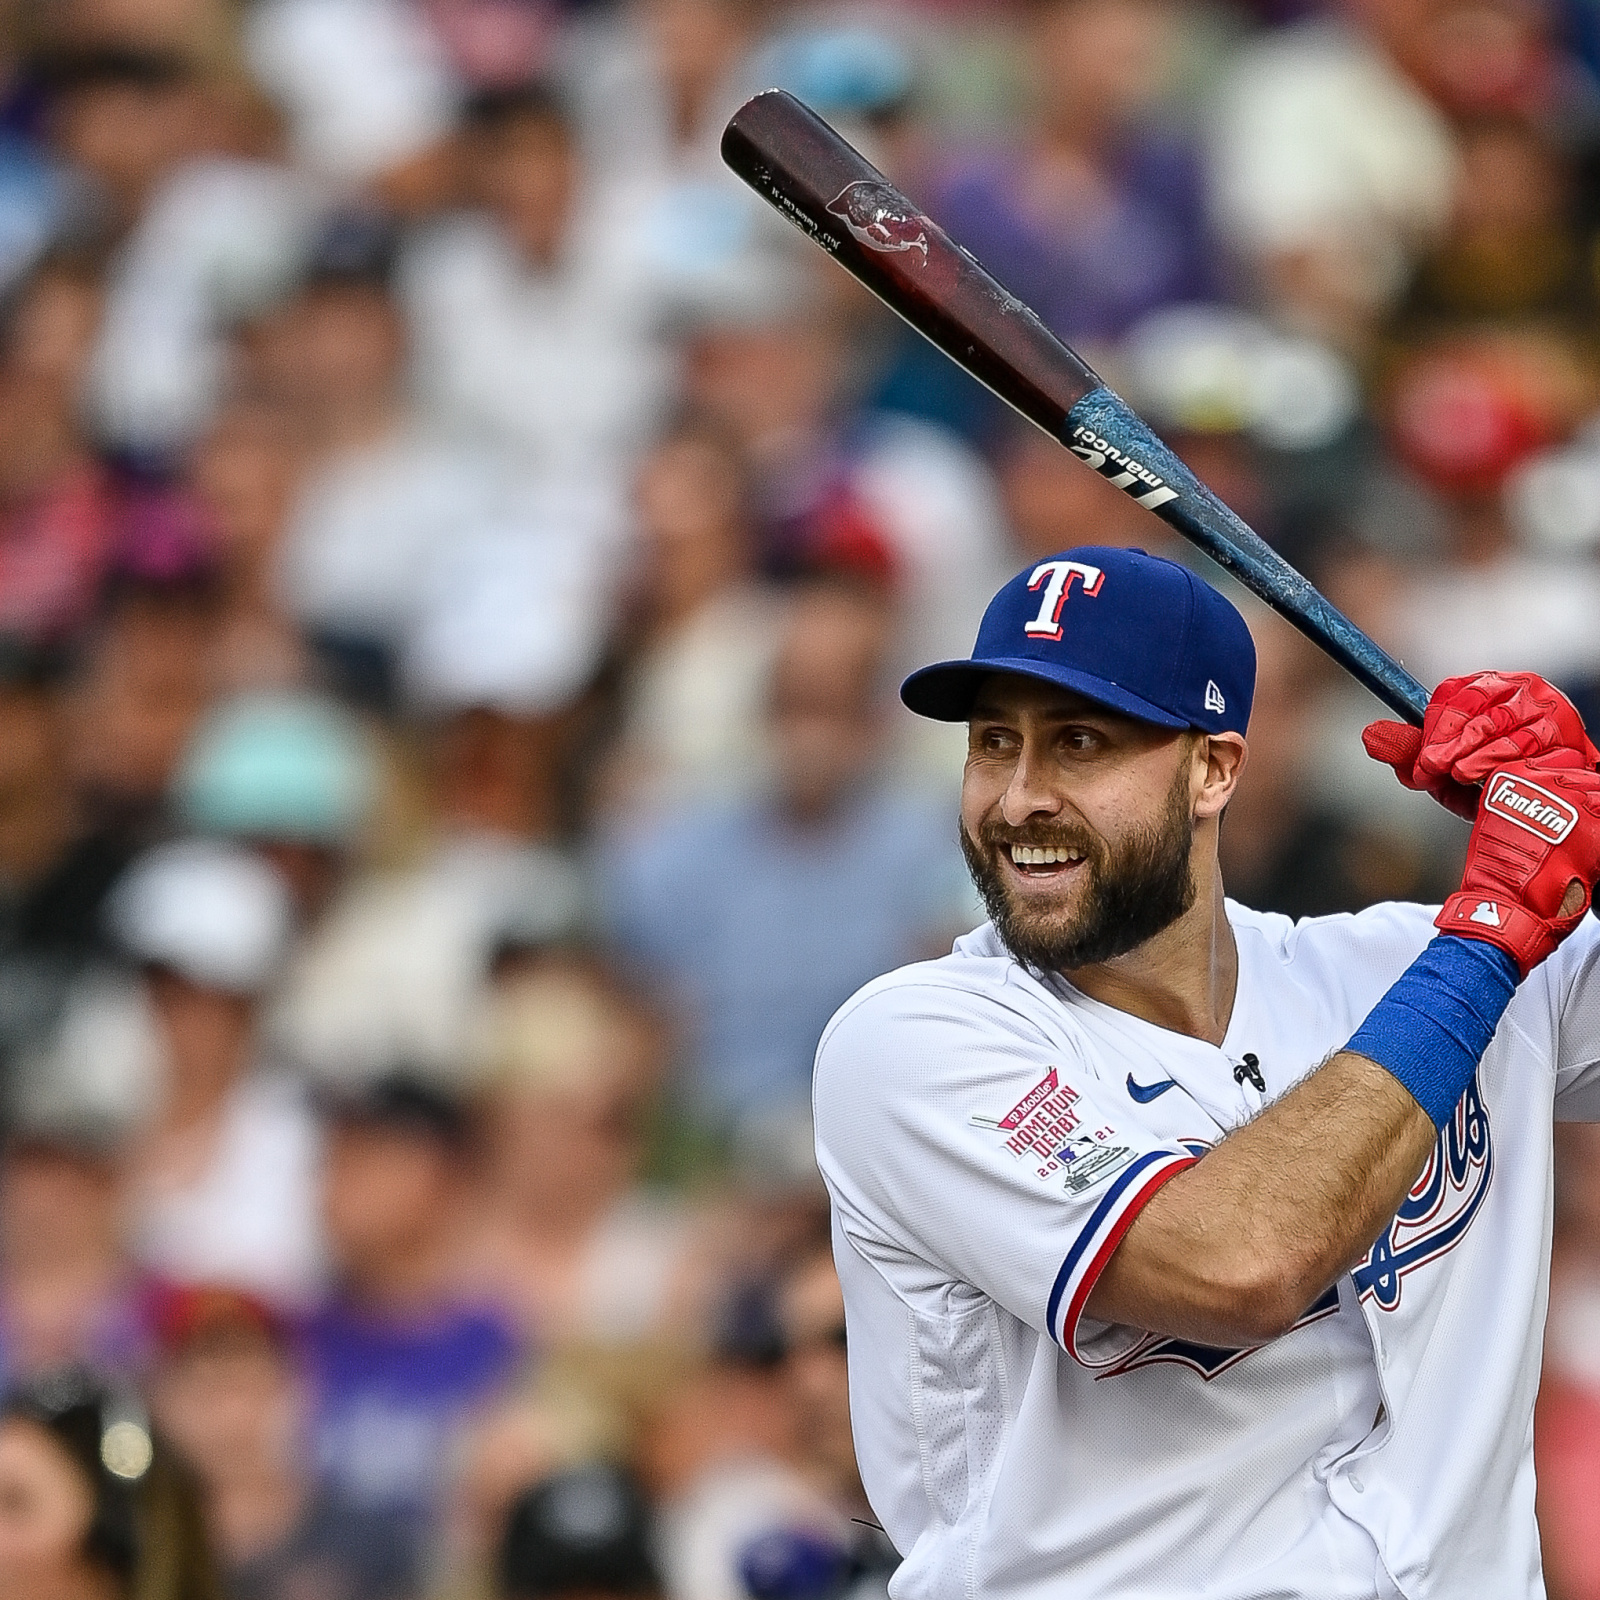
x: 993, y: 738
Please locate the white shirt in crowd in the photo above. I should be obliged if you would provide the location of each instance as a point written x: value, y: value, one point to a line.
x: 562, y: 367
x: 366, y: 83
x: 221, y: 238
x: 1320, y: 143
x: 250, y: 1219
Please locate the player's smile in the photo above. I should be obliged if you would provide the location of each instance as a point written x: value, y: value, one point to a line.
x: 1035, y: 869
x: 1045, y: 861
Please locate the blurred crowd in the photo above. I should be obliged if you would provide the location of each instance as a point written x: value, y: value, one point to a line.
x: 457, y: 551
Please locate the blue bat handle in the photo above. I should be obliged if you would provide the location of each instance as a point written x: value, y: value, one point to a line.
x: 1103, y: 431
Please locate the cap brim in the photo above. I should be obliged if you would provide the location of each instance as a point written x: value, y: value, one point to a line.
x: 946, y: 690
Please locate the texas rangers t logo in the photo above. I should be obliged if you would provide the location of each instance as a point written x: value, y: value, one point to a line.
x: 1056, y: 578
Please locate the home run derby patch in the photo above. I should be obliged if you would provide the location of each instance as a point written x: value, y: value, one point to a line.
x: 1044, y: 1127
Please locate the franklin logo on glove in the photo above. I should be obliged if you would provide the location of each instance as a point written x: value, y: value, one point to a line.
x: 1531, y: 807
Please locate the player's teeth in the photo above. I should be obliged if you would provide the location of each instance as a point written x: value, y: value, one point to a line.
x: 1043, y: 856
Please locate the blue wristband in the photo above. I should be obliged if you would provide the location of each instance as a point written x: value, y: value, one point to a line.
x: 1431, y: 1029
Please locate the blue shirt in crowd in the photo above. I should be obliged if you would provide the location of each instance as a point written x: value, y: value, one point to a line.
x: 762, y: 927
x: 389, y: 1395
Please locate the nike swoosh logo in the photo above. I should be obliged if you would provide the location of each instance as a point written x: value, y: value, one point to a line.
x: 1144, y: 1093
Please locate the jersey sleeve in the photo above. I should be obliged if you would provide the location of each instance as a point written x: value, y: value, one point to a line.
x: 963, y: 1146
x: 1575, y: 973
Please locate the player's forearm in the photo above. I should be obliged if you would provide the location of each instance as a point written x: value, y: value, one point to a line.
x: 1238, y: 1248
x: 1233, y: 1251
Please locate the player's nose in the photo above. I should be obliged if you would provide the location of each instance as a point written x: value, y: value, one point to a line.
x: 1029, y: 792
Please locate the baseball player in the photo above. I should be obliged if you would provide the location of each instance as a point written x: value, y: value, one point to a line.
x: 1187, y: 1250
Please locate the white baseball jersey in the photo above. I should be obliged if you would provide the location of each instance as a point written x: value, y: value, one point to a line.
x: 987, y: 1137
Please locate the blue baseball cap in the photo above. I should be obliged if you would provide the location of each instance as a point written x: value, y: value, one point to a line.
x: 1130, y: 631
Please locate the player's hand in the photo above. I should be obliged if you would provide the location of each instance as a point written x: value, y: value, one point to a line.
x: 1533, y: 854
x: 1476, y: 724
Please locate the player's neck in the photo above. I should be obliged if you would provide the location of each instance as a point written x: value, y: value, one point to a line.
x: 1184, y: 979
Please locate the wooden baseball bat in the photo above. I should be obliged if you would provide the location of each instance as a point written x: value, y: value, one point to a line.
x: 797, y: 163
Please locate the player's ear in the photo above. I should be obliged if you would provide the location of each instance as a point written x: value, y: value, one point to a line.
x: 1221, y: 757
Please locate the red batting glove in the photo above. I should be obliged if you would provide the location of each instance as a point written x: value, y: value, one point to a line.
x: 1537, y: 832
x: 1476, y: 724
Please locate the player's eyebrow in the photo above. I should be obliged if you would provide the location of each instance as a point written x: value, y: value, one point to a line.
x: 987, y: 711
x: 983, y: 712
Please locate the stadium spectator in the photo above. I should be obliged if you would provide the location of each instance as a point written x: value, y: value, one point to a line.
x: 507, y: 640
x: 382, y: 496
x: 743, y: 1510
x: 55, y: 865
x: 1333, y: 171
x: 398, y: 1356
x: 1513, y: 246
x: 222, y: 1176
x: 218, y: 240
x: 123, y: 118
x: 528, y: 331
x: 138, y: 686
x: 584, y: 1534
x: 292, y: 776
x: 96, y: 1506
x: 58, y: 510
x: 809, y: 1307
x: 702, y: 630
x: 864, y: 873
x: 68, y: 1293
x: 366, y: 88
x: 656, y: 92
x: 782, y: 1511
x: 243, y: 475
x: 1098, y: 214
x: 1464, y: 410
x: 895, y: 501
x: 295, y: 777
x: 583, y: 1254
x: 227, y: 1390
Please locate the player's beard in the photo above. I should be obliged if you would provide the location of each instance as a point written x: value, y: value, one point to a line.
x: 1133, y: 891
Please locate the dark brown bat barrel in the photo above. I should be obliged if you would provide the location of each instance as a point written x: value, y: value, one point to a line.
x: 794, y: 160
x: 788, y: 154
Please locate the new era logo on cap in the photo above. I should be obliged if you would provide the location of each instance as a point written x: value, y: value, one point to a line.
x: 1214, y: 700
x: 1531, y: 807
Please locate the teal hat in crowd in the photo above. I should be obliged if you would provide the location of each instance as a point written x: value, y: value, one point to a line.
x: 289, y: 767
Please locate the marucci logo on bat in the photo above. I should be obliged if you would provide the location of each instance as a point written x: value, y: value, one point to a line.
x: 1120, y: 470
